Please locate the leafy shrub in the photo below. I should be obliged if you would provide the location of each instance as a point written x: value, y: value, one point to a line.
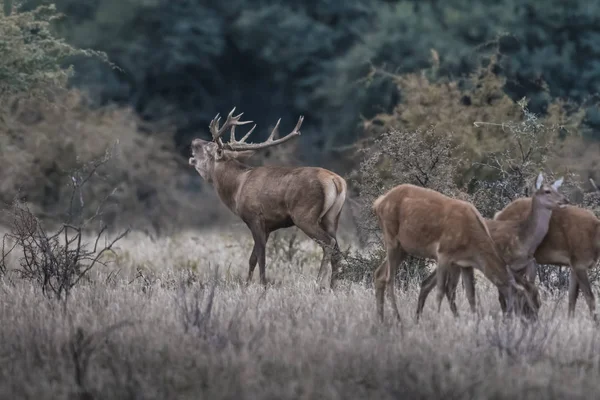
x: 32, y: 55
x: 481, y: 146
x: 42, y: 142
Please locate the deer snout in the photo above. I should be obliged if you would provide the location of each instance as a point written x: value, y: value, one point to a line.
x: 563, y: 202
x: 192, y: 161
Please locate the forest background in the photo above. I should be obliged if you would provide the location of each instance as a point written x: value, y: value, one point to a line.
x: 138, y: 79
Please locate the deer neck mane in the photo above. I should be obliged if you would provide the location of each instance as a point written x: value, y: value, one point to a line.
x: 535, y: 226
x: 227, y: 178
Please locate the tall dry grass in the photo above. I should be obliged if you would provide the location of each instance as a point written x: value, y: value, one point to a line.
x: 149, y: 326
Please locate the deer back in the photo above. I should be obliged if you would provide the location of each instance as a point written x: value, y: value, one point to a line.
x: 427, y: 222
x: 276, y: 192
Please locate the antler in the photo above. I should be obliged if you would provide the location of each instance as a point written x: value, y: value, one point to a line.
x: 241, y: 145
x: 231, y: 122
x: 594, y: 185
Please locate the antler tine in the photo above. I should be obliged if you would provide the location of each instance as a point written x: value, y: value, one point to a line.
x: 594, y: 185
x: 230, y: 122
x: 240, y: 145
x: 275, y: 131
x: 242, y: 140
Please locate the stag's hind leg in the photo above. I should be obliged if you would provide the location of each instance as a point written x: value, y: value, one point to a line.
x: 319, y: 235
x: 329, y: 223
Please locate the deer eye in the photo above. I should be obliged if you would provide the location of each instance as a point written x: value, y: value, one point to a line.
x: 547, y: 191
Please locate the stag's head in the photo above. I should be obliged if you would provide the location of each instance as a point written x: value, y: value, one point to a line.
x: 548, y: 195
x: 206, y: 155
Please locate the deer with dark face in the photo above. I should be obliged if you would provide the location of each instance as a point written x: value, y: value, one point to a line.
x: 268, y: 198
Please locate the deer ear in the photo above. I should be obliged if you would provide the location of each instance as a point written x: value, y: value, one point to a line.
x: 557, y: 183
x: 219, y: 153
x: 539, y: 181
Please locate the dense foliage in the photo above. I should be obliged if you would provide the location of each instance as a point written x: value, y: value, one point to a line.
x: 181, y: 63
x: 190, y: 59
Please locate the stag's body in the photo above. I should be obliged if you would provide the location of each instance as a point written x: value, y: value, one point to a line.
x: 573, y: 240
x: 516, y: 241
x: 427, y: 224
x: 268, y: 198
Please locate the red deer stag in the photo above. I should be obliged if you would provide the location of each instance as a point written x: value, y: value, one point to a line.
x: 573, y: 240
x: 268, y: 198
x: 516, y: 241
x: 425, y: 223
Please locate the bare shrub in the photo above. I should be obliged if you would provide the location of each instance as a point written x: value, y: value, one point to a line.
x: 531, y: 147
x: 423, y: 158
x: 511, y: 171
x: 57, y: 261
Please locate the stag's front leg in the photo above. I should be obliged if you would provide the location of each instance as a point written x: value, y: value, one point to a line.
x: 260, y: 236
x: 326, y: 241
x: 252, y: 264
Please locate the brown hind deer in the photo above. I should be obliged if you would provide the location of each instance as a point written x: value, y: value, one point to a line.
x: 268, y: 198
x: 425, y: 223
x: 573, y: 240
x: 516, y: 240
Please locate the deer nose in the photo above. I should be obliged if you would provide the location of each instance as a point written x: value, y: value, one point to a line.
x: 563, y: 203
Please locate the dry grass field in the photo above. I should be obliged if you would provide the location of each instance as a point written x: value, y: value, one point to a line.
x: 149, y: 326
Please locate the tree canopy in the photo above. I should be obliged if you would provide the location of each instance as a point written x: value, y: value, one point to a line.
x: 191, y: 59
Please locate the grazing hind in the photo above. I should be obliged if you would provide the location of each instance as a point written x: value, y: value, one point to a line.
x: 516, y: 240
x: 425, y: 223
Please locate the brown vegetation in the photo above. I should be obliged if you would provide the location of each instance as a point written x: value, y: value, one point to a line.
x: 43, y: 144
x: 463, y: 106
